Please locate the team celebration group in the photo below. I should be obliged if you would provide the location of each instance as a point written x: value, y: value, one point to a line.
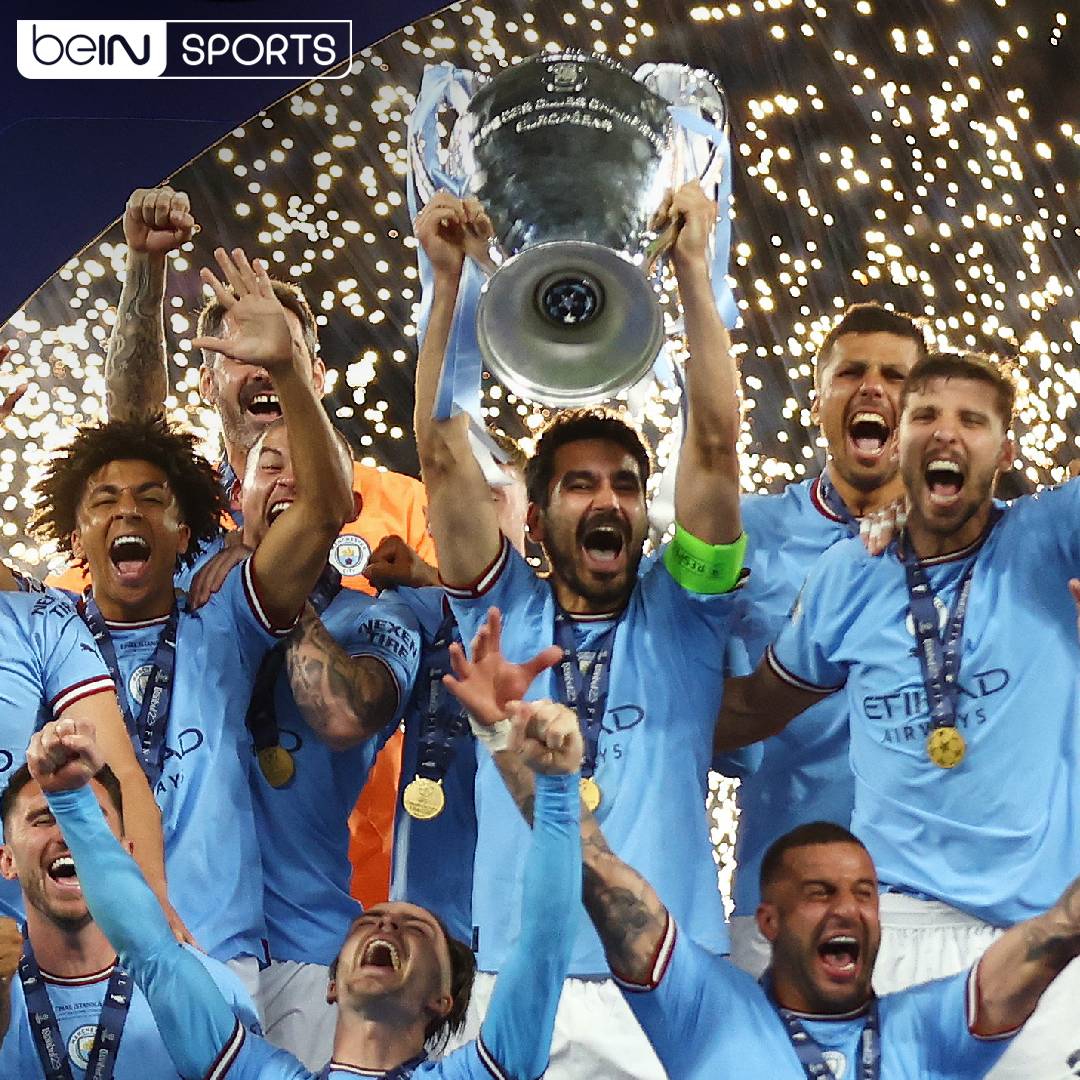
x: 885, y: 655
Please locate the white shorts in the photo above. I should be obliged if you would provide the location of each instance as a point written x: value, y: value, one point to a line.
x: 749, y: 949
x: 925, y: 939
x: 291, y: 999
x: 596, y: 1035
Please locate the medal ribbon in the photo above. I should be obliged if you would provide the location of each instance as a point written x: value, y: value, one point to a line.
x: 585, y: 692
x: 47, y: 1038
x: 444, y: 719
x: 261, y: 719
x: 939, y: 659
x: 153, y: 720
x: 835, y: 505
x: 809, y: 1052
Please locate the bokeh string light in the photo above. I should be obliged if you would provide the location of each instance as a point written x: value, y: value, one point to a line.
x: 925, y: 154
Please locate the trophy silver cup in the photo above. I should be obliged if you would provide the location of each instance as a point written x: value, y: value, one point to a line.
x: 571, y: 155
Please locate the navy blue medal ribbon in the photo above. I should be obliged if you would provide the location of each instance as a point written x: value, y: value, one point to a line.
x: 585, y: 691
x: 810, y: 1054
x: 444, y: 719
x: 51, y: 1049
x: 261, y: 716
x: 149, y: 729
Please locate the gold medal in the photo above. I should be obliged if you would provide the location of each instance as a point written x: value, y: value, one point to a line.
x: 277, y: 765
x: 423, y: 798
x: 590, y: 793
x: 945, y: 746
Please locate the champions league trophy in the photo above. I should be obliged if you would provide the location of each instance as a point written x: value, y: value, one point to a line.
x: 571, y: 156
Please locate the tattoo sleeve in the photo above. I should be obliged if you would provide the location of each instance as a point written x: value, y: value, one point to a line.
x: 345, y: 699
x: 136, y: 365
x: 627, y: 913
x: 1054, y: 939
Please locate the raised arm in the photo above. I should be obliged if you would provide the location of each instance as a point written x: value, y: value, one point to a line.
x: 11, y: 945
x: 293, y: 553
x: 345, y: 699
x: 460, y: 510
x: 756, y: 707
x: 193, y: 1018
x: 707, y: 479
x: 156, y: 221
x: 1023, y: 962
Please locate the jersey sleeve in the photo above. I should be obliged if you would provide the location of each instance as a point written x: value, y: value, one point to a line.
x: 515, y: 1037
x: 71, y: 667
x: 232, y: 990
x: 686, y: 980
x: 194, y: 1020
x: 237, y: 605
x: 804, y: 653
x: 388, y: 631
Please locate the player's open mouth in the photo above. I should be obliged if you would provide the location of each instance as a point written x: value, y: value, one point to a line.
x: 277, y: 509
x: 261, y: 403
x: 839, y: 955
x: 604, y: 547
x: 379, y: 952
x: 944, y: 481
x: 62, y: 872
x: 129, y: 554
x: 869, y: 434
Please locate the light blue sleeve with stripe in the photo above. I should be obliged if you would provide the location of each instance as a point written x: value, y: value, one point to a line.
x: 517, y: 1030
x: 194, y: 1020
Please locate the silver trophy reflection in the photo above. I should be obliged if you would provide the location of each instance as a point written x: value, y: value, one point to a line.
x: 571, y: 156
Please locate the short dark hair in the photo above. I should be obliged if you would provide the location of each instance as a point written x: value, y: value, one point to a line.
x: 290, y: 297
x: 21, y: 777
x: 462, y: 973
x: 806, y: 835
x: 965, y: 365
x: 869, y: 318
x: 576, y: 425
x: 191, y: 478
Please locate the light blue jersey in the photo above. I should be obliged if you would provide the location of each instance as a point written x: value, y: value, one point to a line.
x: 433, y: 860
x: 802, y: 774
x: 653, y: 758
x: 76, y: 1004
x: 211, y: 848
x: 972, y: 836
x: 204, y: 1037
x: 303, y: 827
x: 48, y: 662
x: 708, y: 1020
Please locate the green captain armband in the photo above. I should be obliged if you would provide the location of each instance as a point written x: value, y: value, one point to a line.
x: 708, y: 569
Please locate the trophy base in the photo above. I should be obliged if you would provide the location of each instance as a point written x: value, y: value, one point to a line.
x: 569, y: 323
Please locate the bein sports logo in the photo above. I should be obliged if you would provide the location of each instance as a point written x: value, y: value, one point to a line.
x: 181, y: 49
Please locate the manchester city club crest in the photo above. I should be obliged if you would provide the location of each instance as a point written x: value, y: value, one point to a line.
x: 80, y: 1043
x: 137, y: 681
x: 349, y: 555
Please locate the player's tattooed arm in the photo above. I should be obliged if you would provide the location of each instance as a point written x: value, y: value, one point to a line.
x: 1022, y: 963
x: 11, y: 945
x: 628, y: 915
x: 345, y: 699
x: 156, y: 221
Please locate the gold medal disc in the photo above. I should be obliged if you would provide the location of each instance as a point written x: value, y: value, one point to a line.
x: 423, y: 798
x: 590, y: 793
x: 945, y: 747
x: 277, y: 765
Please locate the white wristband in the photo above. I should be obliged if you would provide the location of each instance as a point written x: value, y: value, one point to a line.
x: 495, y: 737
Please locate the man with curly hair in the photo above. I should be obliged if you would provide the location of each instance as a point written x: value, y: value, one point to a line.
x: 133, y: 502
x: 643, y: 651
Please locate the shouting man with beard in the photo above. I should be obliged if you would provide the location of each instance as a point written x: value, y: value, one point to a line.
x: 643, y: 655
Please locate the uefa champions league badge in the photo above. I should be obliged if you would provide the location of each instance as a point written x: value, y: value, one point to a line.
x: 137, y: 681
x: 80, y: 1043
x: 349, y: 555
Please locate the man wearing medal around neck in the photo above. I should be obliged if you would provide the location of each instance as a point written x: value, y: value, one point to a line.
x: 803, y: 774
x: 132, y: 500
x: 814, y: 1013
x: 956, y: 650
x: 68, y: 987
x: 644, y: 663
x: 325, y: 702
